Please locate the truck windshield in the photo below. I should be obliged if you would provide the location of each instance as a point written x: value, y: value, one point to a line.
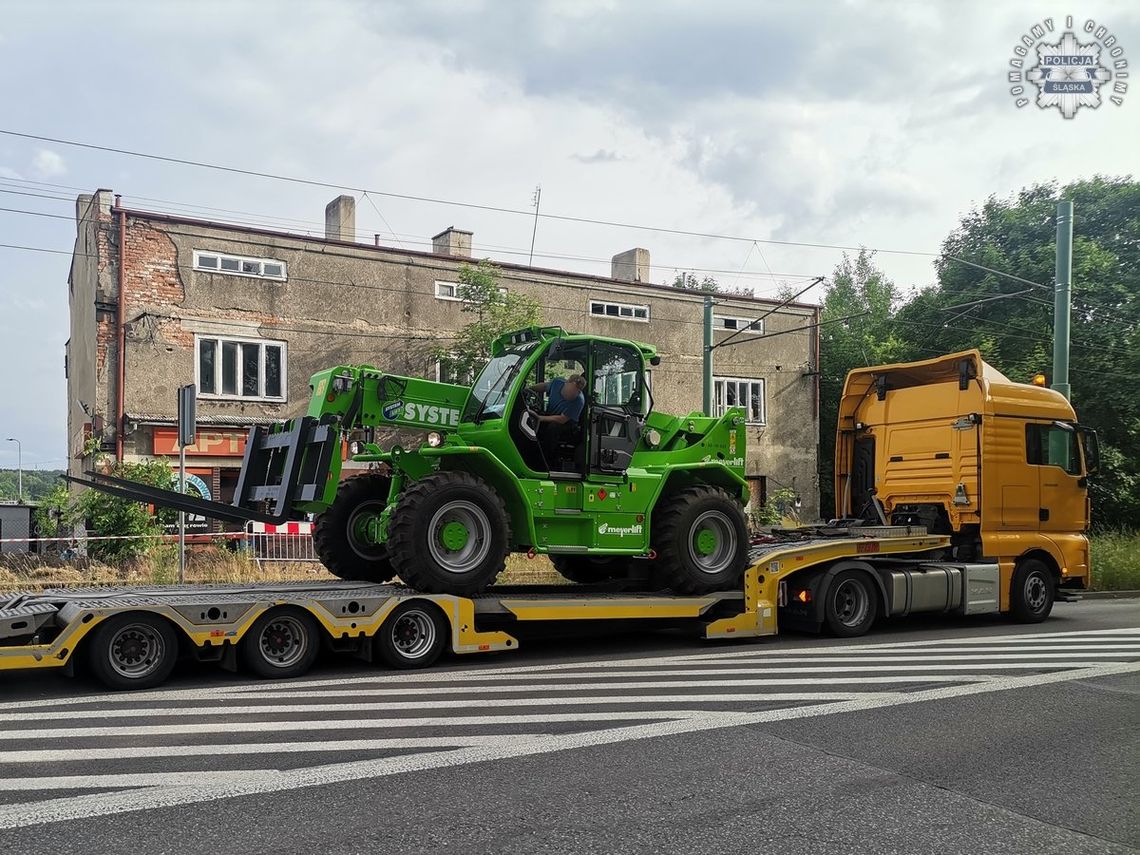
x: 488, y: 398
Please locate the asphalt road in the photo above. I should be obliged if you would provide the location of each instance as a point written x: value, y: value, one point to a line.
x: 969, y: 736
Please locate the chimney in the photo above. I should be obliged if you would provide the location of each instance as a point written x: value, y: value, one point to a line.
x: 631, y: 265
x: 452, y: 241
x: 340, y: 219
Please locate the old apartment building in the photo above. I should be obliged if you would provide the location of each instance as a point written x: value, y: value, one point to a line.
x: 248, y: 314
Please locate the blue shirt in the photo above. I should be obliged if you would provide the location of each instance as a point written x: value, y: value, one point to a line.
x: 557, y: 405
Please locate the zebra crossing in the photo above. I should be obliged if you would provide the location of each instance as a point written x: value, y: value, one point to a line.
x: 91, y: 755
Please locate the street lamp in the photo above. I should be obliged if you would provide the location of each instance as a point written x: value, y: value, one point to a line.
x: 19, y: 468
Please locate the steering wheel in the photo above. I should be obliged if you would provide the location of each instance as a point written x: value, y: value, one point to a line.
x: 532, y: 400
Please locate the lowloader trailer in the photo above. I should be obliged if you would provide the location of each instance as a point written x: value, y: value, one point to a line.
x: 840, y: 580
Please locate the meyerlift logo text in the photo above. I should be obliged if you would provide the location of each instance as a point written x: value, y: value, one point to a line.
x: 1068, y: 73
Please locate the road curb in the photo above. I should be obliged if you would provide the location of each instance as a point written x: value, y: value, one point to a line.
x: 1109, y: 595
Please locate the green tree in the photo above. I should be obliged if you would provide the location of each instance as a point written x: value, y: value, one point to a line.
x: 707, y: 284
x: 1015, y: 334
x: 859, y: 292
x: 37, y: 483
x: 108, y: 516
x: 497, y: 310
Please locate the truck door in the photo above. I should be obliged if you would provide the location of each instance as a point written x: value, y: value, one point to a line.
x: 1053, y: 448
x: 615, y: 411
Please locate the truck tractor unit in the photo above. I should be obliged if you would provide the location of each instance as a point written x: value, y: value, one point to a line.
x: 623, y: 493
x: 1002, y: 468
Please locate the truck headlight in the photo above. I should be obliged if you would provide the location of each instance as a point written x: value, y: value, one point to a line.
x: 435, y: 439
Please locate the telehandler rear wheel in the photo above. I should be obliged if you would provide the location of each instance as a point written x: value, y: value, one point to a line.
x: 345, y: 535
x: 701, y: 539
x: 450, y: 534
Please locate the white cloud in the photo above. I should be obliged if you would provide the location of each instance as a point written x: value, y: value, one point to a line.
x: 48, y: 163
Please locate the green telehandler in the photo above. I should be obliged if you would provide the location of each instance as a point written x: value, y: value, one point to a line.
x: 625, y: 493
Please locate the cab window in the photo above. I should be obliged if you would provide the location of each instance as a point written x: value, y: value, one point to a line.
x: 617, y: 375
x: 1053, y: 445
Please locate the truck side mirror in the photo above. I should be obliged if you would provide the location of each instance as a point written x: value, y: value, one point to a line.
x: 1091, y: 447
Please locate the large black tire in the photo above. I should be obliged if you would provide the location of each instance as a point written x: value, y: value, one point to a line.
x: 701, y: 539
x: 132, y: 651
x: 450, y: 534
x: 850, y: 604
x: 283, y: 642
x: 1032, y: 591
x: 412, y: 636
x: 337, y: 540
x: 591, y: 569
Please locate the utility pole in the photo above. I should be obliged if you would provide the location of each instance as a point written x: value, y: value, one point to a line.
x: 187, y: 434
x: 19, y: 469
x: 707, y: 366
x: 536, y: 200
x: 1063, y: 298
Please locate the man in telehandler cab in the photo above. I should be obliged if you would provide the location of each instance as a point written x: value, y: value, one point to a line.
x: 560, y: 425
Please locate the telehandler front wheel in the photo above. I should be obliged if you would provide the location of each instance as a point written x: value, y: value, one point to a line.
x: 701, y: 539
x: 345, y: 536
x: 450, y: 534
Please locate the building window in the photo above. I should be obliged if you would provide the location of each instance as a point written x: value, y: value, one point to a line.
x: 447, y: 291
x: 753, y: 326
x: 248, y: 369
x: 620, y: 311
x: 447, y: 371
x: 236, y: 265
x: 729, y: 392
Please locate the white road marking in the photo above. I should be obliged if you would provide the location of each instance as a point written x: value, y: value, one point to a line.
x: 130, y: 780
x: 33, y: 813
x: 457, y: 703
x: 759, y: 648
x: 520, y: 720
x: 217, y: 749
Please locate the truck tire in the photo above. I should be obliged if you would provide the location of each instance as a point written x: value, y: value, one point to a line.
x: 450, y: 534
x: 135, y: 650
x: 850, y: 604
x: 412, y: 636
x: 591, y: 569
x: 283, y: 642
x: 701, y: 539
x: 1032, y: 591
x: 338, y: 537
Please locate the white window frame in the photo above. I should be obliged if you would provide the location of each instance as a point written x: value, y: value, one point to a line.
x: 241, y: 260
x: 631, y: 316
x: 222, y: 396
x: 745, y: 326
x: 454, y: 286
x: 719, y: 397
x: 439, y: 372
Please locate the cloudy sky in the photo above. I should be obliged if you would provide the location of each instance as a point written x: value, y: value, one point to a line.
x: 856, y: 123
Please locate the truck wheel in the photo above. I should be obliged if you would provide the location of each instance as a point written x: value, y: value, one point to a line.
x: 850, y: 604
x: 341, y: 534
x: 701, y: 540
x: 1032, y: 592
x: 132, y: 651
x: 589, y: 569
x: 450, y: 534
x: 283, y: 642
x: 413, y: 636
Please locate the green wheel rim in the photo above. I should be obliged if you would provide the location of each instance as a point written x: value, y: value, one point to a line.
x: 454, y: 535
x: 706, y: 541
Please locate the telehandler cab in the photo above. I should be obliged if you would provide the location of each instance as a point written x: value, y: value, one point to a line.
x: 629, y: 494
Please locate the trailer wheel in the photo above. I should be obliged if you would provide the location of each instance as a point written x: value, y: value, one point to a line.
x: 1032, y: 592
x: 588, y: 569
x: 342, y: 534
x: 413, y: 636
x: 132, y: 651
x: 850, y: 604
x: 701, y: 539
x: 283, y: 642
x: 450, y: 534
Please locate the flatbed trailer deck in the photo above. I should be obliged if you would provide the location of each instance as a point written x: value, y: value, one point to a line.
x: 130, y: 637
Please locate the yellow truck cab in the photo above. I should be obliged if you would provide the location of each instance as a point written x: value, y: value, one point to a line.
x: 953, y: 445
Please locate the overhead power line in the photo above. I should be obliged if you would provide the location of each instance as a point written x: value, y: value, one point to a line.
x: 331, y: 185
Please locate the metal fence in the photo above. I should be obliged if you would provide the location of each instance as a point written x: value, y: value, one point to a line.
x: 291, y: 541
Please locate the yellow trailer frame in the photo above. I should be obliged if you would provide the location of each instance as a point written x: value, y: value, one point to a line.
x: 214, y: 619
